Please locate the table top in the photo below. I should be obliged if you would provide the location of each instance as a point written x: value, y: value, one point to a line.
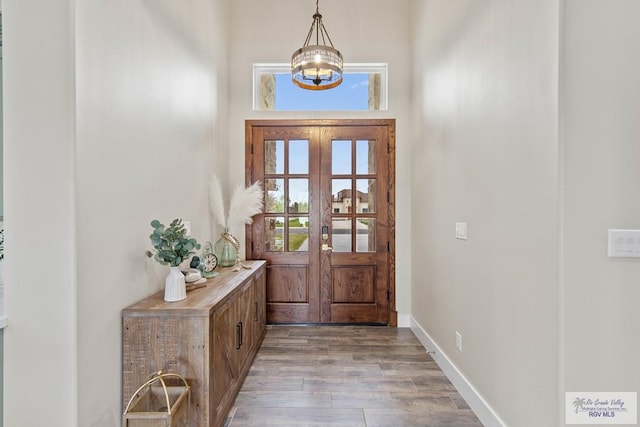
x: 200, y: 301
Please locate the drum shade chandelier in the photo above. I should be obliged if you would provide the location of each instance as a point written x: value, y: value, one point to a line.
x: 317, y: 66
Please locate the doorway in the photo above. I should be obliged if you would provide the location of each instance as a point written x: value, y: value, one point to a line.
x: 328, y: 226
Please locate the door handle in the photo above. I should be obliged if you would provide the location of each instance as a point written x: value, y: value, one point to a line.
x: 325, y: 233
x: 325, y: 238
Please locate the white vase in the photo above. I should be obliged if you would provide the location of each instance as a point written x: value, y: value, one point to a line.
x: 174, y: 285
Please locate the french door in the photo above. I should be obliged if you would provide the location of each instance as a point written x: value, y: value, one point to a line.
x: 328, y: 230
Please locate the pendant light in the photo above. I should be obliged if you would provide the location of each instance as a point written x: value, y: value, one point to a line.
x: 317, y: 66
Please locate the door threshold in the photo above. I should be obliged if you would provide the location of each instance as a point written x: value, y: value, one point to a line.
x: 327, y: 324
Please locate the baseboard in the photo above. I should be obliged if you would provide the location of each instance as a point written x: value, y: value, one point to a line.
x: 483, y: 411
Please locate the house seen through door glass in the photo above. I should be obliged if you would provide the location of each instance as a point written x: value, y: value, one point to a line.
x: 353, y: 188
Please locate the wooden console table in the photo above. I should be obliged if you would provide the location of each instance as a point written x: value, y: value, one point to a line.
x: 210, y: 338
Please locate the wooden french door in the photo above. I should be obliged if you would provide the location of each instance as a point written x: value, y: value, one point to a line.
x: 328, y: 230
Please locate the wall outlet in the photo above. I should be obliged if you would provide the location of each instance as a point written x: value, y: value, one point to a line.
x: 458, y: 341
x: 461, y: 230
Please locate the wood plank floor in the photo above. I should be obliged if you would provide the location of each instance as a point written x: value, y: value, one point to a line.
x: 347, y: 376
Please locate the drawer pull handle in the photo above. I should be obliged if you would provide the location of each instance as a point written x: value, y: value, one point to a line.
x: 238, y: 335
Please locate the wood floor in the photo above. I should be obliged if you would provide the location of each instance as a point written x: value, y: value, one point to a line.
x: 347, y: 376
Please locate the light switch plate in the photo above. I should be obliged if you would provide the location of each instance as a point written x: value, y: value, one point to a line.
x: 623, y: 244
x: 461, y: 230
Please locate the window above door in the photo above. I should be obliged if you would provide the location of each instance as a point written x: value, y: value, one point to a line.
x: 364, y: 88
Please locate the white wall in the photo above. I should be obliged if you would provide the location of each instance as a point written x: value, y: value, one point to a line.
x: 115, y: 113
x: 600, y: 99
x: 40, y: 248
x: 1, y: 132
x: 268, y: 31
x: 485, y: 152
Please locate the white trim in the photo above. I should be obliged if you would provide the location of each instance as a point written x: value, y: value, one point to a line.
x: 404, y: 320
x: 482, y: 409
x: 3, y: 322
x: 349, y: 68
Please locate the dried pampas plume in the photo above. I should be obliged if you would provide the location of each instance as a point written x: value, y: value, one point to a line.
x: 244, y: 204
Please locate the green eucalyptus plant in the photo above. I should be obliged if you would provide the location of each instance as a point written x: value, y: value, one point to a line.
x: 171, y: 243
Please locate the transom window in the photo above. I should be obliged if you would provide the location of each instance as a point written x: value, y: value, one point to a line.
x: 364, y: 88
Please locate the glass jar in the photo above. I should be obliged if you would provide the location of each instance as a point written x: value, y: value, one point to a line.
x: 227, y: 249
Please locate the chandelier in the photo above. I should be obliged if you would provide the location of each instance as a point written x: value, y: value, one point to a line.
x: 317, y: 66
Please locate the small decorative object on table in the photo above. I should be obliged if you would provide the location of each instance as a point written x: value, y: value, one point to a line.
x: 227, y: 249
x: 173, y: 246
x: 244, y: 204
x: 209, y: 261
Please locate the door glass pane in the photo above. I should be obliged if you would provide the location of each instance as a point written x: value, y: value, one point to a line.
x: 366, y: 195
x: 341, y: 196
x: 366, y: 157
x: 274, y: 234
x: 274, y: 157
x: 299, y: 195
x: 340, y: 157
x: 298, y: 234
x: 274, y: 195
x: 341, y: 234
x: 365, y: 235
x: 299, y: 157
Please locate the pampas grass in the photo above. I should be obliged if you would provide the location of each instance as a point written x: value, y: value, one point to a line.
x: 244, y: 204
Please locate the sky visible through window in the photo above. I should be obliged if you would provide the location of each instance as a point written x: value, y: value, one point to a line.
x: 351, y: 95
